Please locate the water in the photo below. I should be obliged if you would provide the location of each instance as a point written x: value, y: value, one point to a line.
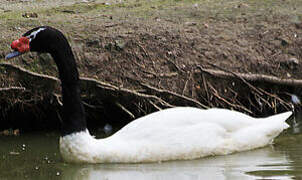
x: 36, y: 156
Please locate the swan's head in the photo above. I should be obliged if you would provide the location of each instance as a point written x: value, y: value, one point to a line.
x: 40, y: 39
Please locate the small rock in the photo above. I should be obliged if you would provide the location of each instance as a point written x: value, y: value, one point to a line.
x: 93, y: 43
x: 295, y: 99
x: 285, y: 41
x: 119, y: 44
x: 190, y: 23
x: 288, y: 75
x: 109, y: 46
x: 242, y: 5
x: 189, y: 30
x: 291, y: 63
x: 293, y: 60
x: 30, y: 15
x: 10, y: 132
x: 5, y: 133
x: 68, y: 11
x: 107, y: 129
x: 16, y: 132
x: 14, y: 153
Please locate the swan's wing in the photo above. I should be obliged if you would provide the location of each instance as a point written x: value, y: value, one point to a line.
x: 160, y: 144
x: 191, y: 126
x: 183, y: 117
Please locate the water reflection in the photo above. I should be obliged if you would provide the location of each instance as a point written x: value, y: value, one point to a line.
x: 219, y: 167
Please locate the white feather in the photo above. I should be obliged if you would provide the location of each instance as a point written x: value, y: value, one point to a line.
x: 174, y: 134
x: 34, y: 34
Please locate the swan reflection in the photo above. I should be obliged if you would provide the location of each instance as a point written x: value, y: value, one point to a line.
x: 235, y: 166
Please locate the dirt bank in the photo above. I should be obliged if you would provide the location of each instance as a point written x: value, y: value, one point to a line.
x: 144, y: 56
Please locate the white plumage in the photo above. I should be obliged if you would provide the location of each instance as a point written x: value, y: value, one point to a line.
x: 175, y: 134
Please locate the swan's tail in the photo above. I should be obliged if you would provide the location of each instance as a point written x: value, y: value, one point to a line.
x: 262, y: 133
x: 279, y: 118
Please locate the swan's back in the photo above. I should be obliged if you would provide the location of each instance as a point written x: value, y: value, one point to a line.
x: 187, y: 116
x: 188, y: 133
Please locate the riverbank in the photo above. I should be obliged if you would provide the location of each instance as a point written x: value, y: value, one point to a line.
x: 144, y: 56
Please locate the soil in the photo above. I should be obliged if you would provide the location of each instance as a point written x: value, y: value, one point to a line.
x: 161, y: 43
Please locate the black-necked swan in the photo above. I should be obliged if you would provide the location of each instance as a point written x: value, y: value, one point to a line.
x: 171, y: 134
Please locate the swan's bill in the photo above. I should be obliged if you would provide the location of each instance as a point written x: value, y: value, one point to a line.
x: 12, y: 55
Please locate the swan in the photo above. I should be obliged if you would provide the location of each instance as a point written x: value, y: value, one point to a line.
x: 180, y: 133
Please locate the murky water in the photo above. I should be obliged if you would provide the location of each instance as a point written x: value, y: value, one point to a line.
x: 36, y: 156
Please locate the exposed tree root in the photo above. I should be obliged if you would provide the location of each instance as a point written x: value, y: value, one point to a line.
x: 253, y: 77
x: 246, y: 96
x: 91, y: 88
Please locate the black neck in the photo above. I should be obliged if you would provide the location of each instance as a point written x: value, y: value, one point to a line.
x: 73, y: 110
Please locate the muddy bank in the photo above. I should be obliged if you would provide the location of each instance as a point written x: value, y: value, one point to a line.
x: 143, y: 57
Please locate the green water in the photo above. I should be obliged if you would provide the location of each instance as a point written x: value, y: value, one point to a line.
x: 36, y: 156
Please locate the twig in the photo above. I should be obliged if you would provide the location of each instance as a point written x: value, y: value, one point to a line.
x: 144, y: 50
x: 136, y: 94
x: 174, y: 64
x: 205, y: 86
x: 112, y: 25
x: 186, y: 83
x: 161, y: 91
x: 154, y: 105
x: 275, y: 97
x: 125, y: 110
x: 89, y: 105
x: 216, y: 94
x: 57, y: 97
x: 258, y: 98
x: 12, y: 88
